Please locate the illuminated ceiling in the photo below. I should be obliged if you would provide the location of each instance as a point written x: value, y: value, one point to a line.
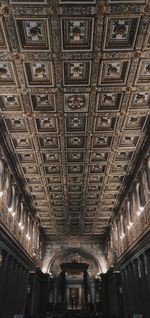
x: 74, y: 98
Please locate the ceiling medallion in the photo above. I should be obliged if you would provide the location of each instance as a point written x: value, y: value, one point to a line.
x: 108, y: 99
x: 11, y: 100
x: 120, y: 29
x: 76, y: 102
x: 112, y: 70
x: 40, y: 72
x: 140, y: 98
x: 43, y: 99
x: 35, y: 31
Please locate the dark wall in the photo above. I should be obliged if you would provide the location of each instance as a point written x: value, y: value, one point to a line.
x: 37, y: 294
x: 126, y: 292
x: 23, y: 288
x: 14, y: 268
x: 135, y: 272
x: 111, y: 294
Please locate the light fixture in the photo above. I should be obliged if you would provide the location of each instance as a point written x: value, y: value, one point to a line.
x: 44, y: 270
x: 129, y: 225
x: 28, y: 237
x: 140, y: 210
x: 1, y: 194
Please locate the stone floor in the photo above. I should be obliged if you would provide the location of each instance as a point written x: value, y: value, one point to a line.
x: 80, y: 314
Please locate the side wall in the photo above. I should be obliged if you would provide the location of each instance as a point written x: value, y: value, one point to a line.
x: 135, y: 273
x: 15, y: 264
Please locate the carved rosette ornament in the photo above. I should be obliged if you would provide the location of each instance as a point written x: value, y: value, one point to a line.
x: 16, y: 56
x: 76, y: 103
x: 53, y: 11
x: 108, y: 100
x: 98, y: 55
x: 112, y: 70
x: 120, y: 29
x: 24, y: 90
x: 140, y: 99
x: 40, y: 72
x: 136, y: 54
x: 130, y: 89
x: 101, y: 9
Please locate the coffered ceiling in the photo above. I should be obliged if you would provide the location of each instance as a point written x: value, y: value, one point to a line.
x: 75, y: 105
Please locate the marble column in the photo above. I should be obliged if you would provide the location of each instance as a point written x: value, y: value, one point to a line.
x: 125, y: 291
x: 93, y: 292
x: 133, y: 289
x: 19, y: 305
x: 63, y: 287
x: 129, y: 290
x: 26, y: 274
x: 55, y: 292
x: 137, y: 281
x: 147, y: 268
x: 3, y: 275
x: 24, y: 288
x: 145, y: 289
x: 16, y: 288
x: 14, y: 293
x: 8, y: 289
x: 136, y: 307
x: 85, y: 287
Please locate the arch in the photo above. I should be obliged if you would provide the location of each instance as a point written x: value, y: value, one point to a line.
x: 83, y: 254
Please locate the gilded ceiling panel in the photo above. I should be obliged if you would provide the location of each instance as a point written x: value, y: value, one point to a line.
x: 74, y: 105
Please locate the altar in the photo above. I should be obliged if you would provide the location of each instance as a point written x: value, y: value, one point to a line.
x: 75, y: 284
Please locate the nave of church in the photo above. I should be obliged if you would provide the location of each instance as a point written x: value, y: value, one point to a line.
x: 75, y: 159
x: 73, y: 278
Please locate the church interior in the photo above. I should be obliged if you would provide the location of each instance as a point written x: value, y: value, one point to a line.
x: 75, y: 158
